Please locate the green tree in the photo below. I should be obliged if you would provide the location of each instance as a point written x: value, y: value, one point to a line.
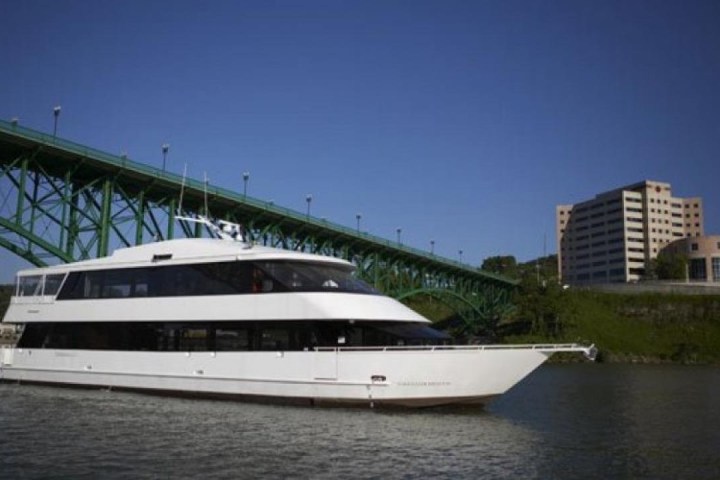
x: 543, y: 306
x: 502, y: 265
x: 670, y: 266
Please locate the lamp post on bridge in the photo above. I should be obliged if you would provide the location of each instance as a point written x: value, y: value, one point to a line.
x: 432, y: 247
x: 165, y: 149
x: 399, y: 231
x: 358, y: 217
x: 56, y: 114
x: 246, y: 177
x: 460, y: 252
x: 308, y: 199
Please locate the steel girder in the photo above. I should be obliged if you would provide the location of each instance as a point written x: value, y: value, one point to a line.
x: 62, y: 202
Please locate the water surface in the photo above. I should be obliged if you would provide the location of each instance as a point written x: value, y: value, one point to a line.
x: 564, y: 421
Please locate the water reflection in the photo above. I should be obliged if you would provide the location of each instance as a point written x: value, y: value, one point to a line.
x: 622, y: 421
x: 74, y: 433
x: 588, y: 421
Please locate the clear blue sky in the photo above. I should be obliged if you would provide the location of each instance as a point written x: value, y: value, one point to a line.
x: 465, y: 122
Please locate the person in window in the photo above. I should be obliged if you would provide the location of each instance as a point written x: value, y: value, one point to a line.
x: 260, y: 282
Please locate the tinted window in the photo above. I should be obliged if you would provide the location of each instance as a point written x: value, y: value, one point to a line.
x: 314, y: 277
x: 225, y: 336
x: 52, y: 283
x: 220, y: 278
x: 30, y: 285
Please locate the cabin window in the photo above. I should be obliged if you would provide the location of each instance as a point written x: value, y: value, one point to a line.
x: 116, y: 284
x: 93, y: 284
x: 274, y: 339
x: 192, y: 338
x: 225, y: 336
x: 232, y: 338
x: 314, y: 277
x: 52, y: 283
x: 219, y: 278
x: 29, y: 286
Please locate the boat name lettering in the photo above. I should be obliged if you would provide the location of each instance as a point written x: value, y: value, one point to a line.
x: 424, y: 384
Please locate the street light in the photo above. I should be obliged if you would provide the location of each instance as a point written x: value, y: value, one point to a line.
x: 460, y: 252
x: 246, y: 177
x: 165, y: 148
x: 308, y: 199
x: 358, y: 217
x: 399, y: 231
x: 432, y: 247
x: 56, y: 114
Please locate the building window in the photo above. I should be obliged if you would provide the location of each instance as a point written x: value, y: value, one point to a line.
x: 716, y: 269
x: 617, y: 272
x: 694, y: 247
x: 697, y: 269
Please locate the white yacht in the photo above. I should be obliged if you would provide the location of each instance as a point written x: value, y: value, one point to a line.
x: 220, y: 317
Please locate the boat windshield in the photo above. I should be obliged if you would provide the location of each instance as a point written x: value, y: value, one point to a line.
x: 313, y: 277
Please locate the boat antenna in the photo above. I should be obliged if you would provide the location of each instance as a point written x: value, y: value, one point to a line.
x: 207, y: 214
x: 222, y: 229
x: 182, y: 189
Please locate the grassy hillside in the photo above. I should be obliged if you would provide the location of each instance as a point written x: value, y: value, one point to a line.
x: 642, y: 328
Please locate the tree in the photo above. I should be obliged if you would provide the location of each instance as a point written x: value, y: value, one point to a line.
x: 502, y: 265
x: 671, y: 266
x: 543, y: 307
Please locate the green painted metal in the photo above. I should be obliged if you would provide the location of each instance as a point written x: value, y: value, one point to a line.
x: 61, y: 201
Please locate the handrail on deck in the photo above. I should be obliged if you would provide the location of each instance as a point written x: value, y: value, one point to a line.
x: 589, y: 351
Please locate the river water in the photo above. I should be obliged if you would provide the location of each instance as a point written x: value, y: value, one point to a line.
x: 565, y: 421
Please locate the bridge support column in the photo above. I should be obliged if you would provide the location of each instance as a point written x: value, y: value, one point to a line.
x: 105, y: 219
x: 140, y: 218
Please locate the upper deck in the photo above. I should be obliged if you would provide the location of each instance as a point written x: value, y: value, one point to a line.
x: 185, y: 251
x: 200, y: 280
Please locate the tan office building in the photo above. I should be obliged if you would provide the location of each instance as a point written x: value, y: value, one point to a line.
x: 612, y: 237
x: 703, y: 257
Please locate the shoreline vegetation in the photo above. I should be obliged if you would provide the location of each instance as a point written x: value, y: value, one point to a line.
x: 626, y: 328
x: 630, y: 326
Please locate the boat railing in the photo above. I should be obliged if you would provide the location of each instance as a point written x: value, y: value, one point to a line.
x: 588, y: 351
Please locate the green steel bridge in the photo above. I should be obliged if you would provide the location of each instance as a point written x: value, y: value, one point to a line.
x: 62, y: 202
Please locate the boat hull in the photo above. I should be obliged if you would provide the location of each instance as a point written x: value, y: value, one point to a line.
x: 405, y: 377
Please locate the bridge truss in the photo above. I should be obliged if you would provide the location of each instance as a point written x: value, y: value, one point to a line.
x: 61, y: 202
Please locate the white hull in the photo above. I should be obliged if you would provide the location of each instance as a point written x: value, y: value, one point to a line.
x: 394, y: 376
